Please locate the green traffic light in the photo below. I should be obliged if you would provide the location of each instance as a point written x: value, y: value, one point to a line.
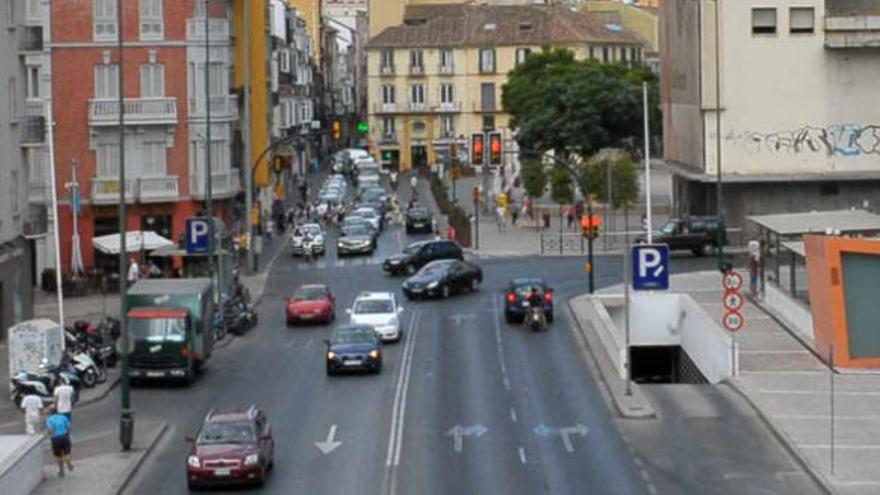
x: 363, y: 127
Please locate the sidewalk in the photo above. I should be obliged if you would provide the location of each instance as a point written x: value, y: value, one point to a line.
x: 790, y: 387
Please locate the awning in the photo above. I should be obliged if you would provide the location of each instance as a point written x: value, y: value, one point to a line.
x: 853, y: 221
x: 134, y: 241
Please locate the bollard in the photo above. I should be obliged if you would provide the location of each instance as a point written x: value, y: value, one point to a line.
x: 126, y: 429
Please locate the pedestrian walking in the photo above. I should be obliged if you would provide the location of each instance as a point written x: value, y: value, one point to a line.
x: 569, y: 216
x: 63, y: 399
x: 499, y: 216
x: 414, y: 183
x: 32, y: 405
x: 134, y: 271
x: 754, y: 266
x: 58, y: 430
x: 514, y: 213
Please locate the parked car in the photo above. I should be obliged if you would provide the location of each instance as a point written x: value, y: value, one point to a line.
x: 418, y: 219
x: 516, y: 302
x: 353, y: 348
x: 419, y: 254
x: 379, y: 310
x: 233, y: 446
x: 443, y: 278
x: 355, y: 239
x: 691, y: 233
x: 311, y: 303
x: 299, y: 233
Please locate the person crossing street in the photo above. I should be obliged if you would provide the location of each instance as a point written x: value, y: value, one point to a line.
x: 58, y: 430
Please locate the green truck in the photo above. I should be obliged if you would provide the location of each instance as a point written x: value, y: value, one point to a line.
x: 170, y: 327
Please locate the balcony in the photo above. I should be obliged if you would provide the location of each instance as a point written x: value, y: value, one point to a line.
x: 416, y: 70
x: 138, y: 111
x: 386, y: 70
x: 223, y: 185
x: 852, y: 30
x: 32, y: 124
x: 446, y: 70
x: 448, y: 107
x: 417, y: 107
x: 105, y: 191
x: 38, y: 191
x: 218, y: 29
x: 158, y: 189
x: 30, y: 39
x: 222, y: 108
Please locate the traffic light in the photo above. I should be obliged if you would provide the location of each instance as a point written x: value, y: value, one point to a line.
x: 590, y: 226
x: 495, y: 148
x: 337, y: 130
x: 478, y: 148
x: 278, y: 164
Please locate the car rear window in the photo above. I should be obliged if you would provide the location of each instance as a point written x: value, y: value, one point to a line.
x: 372, y: 307
x: 308, y: 294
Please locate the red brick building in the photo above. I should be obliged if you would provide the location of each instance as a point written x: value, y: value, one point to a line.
x: 165, y: 117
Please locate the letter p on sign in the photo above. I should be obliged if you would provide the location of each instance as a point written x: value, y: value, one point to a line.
x: 650, y: 267
x: 198, y: 235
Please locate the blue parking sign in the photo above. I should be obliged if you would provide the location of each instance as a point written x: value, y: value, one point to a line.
x: 198, y: 235
x: 650, y: 267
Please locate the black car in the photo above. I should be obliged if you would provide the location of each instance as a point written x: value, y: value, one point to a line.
x: 357, y: 220
x: 355, y: 239
x: 353, y: 347
x: 691, y: 233
x: 418, y: 219
x: 443, y: 278
x: 516, y: 298
x: 419, y: 254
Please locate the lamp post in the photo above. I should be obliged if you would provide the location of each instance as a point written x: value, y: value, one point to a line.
x: 722, y: 231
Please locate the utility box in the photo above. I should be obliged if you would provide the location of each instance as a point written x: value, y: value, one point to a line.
x: 33, y: 341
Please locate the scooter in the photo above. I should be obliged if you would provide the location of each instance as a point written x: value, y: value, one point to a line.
x: 89, y: 371
x: 536, y: 319
x: 42, y: 384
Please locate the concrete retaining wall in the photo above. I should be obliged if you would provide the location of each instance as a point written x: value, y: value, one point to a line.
x: 21, y: 463
x: 795, y: 314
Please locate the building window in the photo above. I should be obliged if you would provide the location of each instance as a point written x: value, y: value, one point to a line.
x: 388, y: 95
x: 33, y: 10
x: 36, y: 165
x: 152, y: 81
x: 487, y: 60
x: 415, y: 61
x: 448, y: 126
x: 12, y: 98
x: 418, y: 94
x: 10, y: 13
x: 488, y: 122
x: 763, y: 21
x: 388, y: 127
x: 387, y: 60
x: 623, y: 57
x: 801, y: 20
x: 13, y: 188
x: 108, y: 160
x: 217, y: 79
x: 446, y: 60
x: 635, y: 54
x: 152, y: 27
x: 447, y: 94
x: 605, y: 54
x: 522, y: 54
x: 106, y: 81
x: 487, y: 97
x: 592, y: 52
x: 153, y: 158
x: 32, y: 90
x: 104, y: 12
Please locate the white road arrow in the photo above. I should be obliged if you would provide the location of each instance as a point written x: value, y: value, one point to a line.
x: 460, y: 318
x: 565, y: 433
x: 458, y: 433
x: 328, y: 445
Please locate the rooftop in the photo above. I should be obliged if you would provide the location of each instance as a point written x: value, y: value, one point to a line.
x: 494, y: 25
x: 846, y: 221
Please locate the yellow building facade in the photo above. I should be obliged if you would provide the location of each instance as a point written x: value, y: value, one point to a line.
x: 311, y: 11
x: 461, y: 76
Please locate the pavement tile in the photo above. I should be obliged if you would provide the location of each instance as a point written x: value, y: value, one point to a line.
x: 773, y: 360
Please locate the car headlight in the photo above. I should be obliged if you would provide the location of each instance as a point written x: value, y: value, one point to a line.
x: 374, y: 354
x: 252, y: 459
x: 340, y: 244
x: 193, y: 461
x: 394, y: 262
x: 331, y: 355
x: 433, y: 285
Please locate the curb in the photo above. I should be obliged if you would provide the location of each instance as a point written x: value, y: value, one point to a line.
x: 120, y: 486
x: 787, y: 443
x: 626, y: 412
x: 102, y: 395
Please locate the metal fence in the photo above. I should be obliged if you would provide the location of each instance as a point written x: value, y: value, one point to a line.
x: 562, y: 243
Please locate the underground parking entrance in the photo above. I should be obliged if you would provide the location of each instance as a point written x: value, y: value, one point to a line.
x: 664, y: 364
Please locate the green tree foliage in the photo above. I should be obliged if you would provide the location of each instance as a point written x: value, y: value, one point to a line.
x: 561, y: 185
x: 534, y: 178
x: 624, y: 181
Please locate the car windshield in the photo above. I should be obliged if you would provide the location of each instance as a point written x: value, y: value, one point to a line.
x: 226, y: 432
x: 418, y: 212
x: 359, y: 229
x: 526, y: 289
x: 434, y: 269
x: 357, y: 336
x: 309, y: 293
x: 157, y: 329
x: 372, y: 307
x: 367, y: 213
x: 412, y: 248
x: 312, y: 229
x: 669, y: 228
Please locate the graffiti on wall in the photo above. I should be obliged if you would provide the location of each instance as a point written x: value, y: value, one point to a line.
x: 844, y: 140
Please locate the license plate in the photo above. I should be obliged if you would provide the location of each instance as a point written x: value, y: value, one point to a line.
x: 416, y: 291
x: 354, y: 363
x: 155, y: 374
x: 222, y: 472
x: 418, y: 225
x: 306, y: 317
x: 525, y: 304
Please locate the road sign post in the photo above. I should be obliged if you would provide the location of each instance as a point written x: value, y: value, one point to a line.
x: 650, y: 264
x: 732, y: 318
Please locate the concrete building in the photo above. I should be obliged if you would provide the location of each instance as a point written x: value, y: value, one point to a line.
x: 643, y: 20
x: 345, y: 11
x: 21, y: 131
x: 165, y: 108
x: 435, y: 78
x: 798, y: 106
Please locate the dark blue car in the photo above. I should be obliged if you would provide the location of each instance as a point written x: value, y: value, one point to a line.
x: 354, y: 348
x: 516, y: 299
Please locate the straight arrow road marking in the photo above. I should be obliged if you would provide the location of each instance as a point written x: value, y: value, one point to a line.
x: 330, y: 444
x: 458, y: 433
x: 564, y: 433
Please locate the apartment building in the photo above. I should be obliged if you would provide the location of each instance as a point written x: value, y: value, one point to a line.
x: 436, y: 78
x: 797, y: 104
x: 22, y: 137
x: 165, y: 111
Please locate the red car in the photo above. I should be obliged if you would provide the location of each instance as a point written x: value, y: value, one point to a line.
x: 234, y: 446
x: 311, y: 303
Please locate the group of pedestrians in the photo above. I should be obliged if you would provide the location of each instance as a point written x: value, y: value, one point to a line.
x: 58, y: 422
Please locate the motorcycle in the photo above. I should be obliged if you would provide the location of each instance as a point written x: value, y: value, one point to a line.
x: 309, y: 250
x: 89, y: 371
x: 240, y: 317
x: 536, y: 319
x: 42, y: 384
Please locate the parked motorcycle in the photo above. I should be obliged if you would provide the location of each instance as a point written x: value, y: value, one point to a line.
x: 88, y: 370
x: 42, y: 384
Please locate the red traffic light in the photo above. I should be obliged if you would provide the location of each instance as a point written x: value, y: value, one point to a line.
x: 477, y: 149
x: 495, y: 148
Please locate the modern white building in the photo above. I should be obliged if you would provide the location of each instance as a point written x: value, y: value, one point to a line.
x: 799, y: 112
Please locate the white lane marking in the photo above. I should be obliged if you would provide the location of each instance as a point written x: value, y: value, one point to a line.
x: 639, y: 462
x: 497, y: 319
x: 290, y: 343
x: 506, y: 384
x: 652, y: 489
x: 339, y: 263
x: 513, y: 415
x: 815, y: 392
x: 394, y: 439
x: 329, y: 445
x: 522, y: 455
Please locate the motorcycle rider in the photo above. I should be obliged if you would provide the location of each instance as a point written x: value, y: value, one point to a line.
x: 536, y: 304
x: 307, y: 245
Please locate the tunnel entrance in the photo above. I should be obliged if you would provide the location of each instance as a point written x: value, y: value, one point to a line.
x: 664, y: 364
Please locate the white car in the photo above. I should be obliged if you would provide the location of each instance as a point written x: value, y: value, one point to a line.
x: 379, y: 310
x: 369, y: 215
x: 296, y: 238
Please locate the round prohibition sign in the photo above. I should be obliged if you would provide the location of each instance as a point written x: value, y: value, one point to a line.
x: 733, y: 301
x: 732, y: 281
x: 733, y: 320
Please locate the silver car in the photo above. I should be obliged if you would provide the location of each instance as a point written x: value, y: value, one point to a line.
x: 299, y: 233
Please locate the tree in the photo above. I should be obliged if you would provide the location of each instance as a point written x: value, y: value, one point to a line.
x: 561, y: 186
x: 624, y: 181
x: 534, y: 178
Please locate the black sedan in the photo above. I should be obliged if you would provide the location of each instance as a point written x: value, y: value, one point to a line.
x: 353, y: 348
x: 355, y: 239
x: 443, y: 278
x: 516, y: 300
x: 418, y: 219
